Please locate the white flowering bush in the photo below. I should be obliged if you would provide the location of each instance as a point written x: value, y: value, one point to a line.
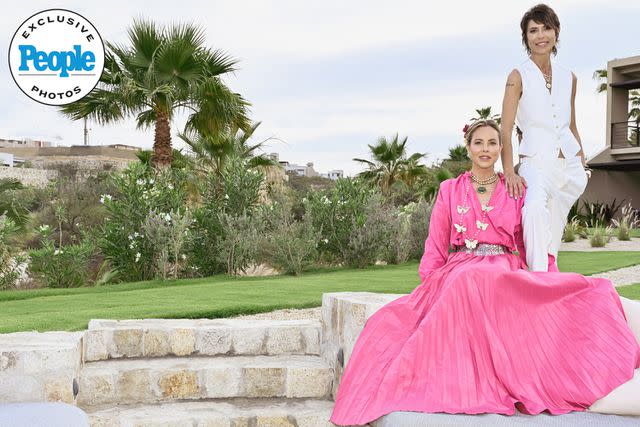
x: 69, y: 266
x: 224, y: 234
x: 140, y: 194
x: 338, y: 215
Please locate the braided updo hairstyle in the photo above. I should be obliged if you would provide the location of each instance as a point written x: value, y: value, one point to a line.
x: 468, y: 135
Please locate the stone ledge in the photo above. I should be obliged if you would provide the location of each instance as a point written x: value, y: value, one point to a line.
x: 343, y: 317
x: 231, y: 413
x: 155, y: 380
x: 113, y: 339
x: 39, y: 367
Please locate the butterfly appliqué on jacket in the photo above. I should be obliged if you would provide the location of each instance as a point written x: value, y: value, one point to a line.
x: 481, y: 225
x: 471, y: 244
x: 462, y: 209
x: 460, y: 228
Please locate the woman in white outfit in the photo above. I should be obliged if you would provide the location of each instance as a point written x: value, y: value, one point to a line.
x: 540, y: 93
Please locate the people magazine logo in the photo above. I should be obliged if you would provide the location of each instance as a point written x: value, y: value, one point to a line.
x: 56, y: 57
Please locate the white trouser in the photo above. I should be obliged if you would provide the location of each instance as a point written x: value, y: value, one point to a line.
x: 553, y: 186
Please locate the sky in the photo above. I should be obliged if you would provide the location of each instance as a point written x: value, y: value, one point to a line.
x: 325, y: 79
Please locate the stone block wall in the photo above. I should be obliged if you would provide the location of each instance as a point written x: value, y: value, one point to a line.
x: 39, y: 367
x: 344, y: 314
x: 29, y: 176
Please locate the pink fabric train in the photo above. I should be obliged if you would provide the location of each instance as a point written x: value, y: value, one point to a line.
x: 483, y: 334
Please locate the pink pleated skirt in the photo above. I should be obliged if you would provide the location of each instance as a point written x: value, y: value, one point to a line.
x: 482, y: 335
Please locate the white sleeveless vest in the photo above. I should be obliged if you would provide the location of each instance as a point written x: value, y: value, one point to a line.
x: 544, y: 117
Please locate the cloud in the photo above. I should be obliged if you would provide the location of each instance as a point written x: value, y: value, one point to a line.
x: 331, y: 77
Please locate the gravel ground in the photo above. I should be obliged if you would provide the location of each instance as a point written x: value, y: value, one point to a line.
x: 613, y: 245
x: 285, y: 314
x: 622, y: 276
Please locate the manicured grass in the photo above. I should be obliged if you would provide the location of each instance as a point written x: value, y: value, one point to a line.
x: 630, y: 291
x: 222, y: 296
x: 588, y: 263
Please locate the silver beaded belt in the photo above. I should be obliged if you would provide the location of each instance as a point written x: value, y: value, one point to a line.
x: 484, y: 249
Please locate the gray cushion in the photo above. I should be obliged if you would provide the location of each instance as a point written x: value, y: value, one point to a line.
x: 572, y: 419
x: 42, y: 415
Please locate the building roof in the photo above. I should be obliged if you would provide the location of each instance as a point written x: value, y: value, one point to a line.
x: 605, y: 160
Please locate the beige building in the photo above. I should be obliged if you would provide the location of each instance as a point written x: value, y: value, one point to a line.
x: 616, y: 169
x: 23, y: 143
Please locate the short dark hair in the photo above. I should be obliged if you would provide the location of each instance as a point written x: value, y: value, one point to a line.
x: 542, y: 14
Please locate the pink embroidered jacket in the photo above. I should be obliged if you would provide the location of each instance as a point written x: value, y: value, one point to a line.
x: 503, y: 222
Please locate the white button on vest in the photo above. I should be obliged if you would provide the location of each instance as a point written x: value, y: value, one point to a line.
x: 544, y: 117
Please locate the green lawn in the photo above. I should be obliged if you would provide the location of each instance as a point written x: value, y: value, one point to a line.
x: 588, y: 263
x: 222, y: 296
x: 631, y: 291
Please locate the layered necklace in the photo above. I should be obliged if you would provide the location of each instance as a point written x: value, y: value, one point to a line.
x: 482, y: 183
x: 547, y: 80
x: 546, y: 76
x: 481, y: 225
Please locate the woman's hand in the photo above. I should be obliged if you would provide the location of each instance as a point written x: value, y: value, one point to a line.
x: 515, y: 184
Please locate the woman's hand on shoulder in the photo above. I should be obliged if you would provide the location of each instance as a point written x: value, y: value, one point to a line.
x: 515, y: 184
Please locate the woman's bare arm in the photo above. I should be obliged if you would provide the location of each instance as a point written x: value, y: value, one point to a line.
x: 573, y: 126
x: 512, y: 92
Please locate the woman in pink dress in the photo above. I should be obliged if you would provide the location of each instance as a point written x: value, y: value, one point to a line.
x: 482, y: 334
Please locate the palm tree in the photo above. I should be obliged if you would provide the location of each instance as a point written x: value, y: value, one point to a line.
x: 458, y: 154
x: 634, y: 95
x: 163, y: 71
x: 213, y: 151
x: 601, y: 77
x: 485, y: 114
x: 390, y: 163
x: 634, y: 104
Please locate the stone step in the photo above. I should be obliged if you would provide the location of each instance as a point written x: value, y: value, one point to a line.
x: 114, y: 339
x: 230, y: 413
x: 125, y: 381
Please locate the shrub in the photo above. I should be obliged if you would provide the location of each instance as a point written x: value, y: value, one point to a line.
x: 599, y: 212
x: 70, y: 207
x: 336, y: 214
x: 572, y: 230
x: 287, y: 244
x: 599, y: 235
x: 166, y: 233
x: 628, y: 220
x: 65, y: 267
x: 238, y: 243
x: 140, y: 191
x: 418, y: 215
x: 369, y: 241
x: 9, y: 260
x: 241, y: 188
x: 223, y: 229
